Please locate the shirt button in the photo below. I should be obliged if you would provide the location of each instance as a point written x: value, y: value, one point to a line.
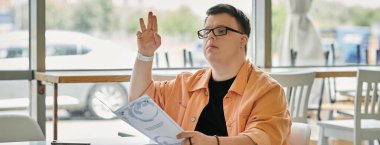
x: 193, y: 119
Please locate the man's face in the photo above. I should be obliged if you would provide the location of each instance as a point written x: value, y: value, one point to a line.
x: 223, y: 49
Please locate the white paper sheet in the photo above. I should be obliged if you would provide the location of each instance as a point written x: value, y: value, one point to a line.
x: 147, y: 117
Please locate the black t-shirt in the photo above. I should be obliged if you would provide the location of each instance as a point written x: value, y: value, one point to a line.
x: 211, y: 120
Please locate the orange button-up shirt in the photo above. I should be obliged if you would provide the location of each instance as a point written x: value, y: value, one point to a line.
x: 255, y: 105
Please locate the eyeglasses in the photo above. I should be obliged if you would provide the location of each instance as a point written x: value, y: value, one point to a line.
x: 218, y: 31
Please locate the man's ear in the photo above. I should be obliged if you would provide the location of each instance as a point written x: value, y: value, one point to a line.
x: 243, y: 41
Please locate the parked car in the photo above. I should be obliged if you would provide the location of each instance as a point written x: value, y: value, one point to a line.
x: 66, y: 51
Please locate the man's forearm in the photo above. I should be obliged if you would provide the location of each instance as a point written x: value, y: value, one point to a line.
x: 236, y: 140
x: 141, y: 78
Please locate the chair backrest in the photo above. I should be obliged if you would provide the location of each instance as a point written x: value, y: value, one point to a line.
x: 367, y: 102
x: 300, y: 134
x: 297, y: 88
x: 19, y: 128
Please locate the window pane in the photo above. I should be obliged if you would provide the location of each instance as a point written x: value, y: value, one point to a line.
x: 14, y: 43
x: 14, y: 98
x: 349, y: 32
x: 104, y: 32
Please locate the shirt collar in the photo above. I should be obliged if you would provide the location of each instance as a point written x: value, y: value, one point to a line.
x: 237, y: 86
x: 241, y: 79
x: 202, y: 82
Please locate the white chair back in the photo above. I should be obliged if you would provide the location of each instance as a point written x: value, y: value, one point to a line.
x: 367, y: 102
x: 19, y: 128
x: 297, y: 88
x: 300, y: 134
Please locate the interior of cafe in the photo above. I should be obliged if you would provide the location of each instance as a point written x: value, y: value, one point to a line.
x: 68, y: 67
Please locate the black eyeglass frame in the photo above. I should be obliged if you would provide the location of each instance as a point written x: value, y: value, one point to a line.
x: 212, y: 30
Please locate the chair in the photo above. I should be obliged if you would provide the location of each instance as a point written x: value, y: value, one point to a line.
x: 366, y: 122
x: 19, y: 128
x: 300, y: 134
x: 297, y: 89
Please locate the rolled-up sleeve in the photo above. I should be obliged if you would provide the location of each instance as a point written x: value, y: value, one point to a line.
x: 269, y: 121
x: 161, y: 91
x: 157, y: 90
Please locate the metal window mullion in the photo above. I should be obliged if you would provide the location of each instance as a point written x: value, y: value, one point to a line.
x: 252, y: 48
x: 37, y: 61
x: 16, y: 75
x: 263, y: 33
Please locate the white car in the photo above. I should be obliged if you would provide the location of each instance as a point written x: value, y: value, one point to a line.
x: 66, y: 51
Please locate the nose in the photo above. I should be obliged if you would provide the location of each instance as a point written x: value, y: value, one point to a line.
x: 211, y: 35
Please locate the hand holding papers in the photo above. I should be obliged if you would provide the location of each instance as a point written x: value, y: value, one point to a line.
x: 147, y: 117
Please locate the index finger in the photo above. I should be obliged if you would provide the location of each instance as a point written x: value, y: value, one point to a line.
x: 186, y: 134
x: 142, y: 25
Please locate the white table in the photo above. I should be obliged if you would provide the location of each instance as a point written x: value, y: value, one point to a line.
x: 94, y: 141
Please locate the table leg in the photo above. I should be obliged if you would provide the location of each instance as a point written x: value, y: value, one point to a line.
x: 321, y: 100
x: 55, y: 118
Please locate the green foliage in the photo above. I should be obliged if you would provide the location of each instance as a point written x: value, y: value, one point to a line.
x: 181, y: 22
x: 95, y: 15
x: 24, y: 24
x: 57, y: 15
x: 108, y: 20
x: 133, y: 23
x: 85, y: 17
x: 364, y: 16
x: 101, y: 15
x: 331, y: 14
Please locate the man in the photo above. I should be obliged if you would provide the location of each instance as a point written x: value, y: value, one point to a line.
x: 232, y: 103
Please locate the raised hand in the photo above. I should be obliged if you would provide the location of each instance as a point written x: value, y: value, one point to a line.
x: 148, y: 39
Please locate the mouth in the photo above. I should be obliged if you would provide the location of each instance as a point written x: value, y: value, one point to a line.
x: 211, y: 46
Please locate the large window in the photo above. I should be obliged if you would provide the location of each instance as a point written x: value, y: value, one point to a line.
x: 348, y: 32
x: 105, y: 30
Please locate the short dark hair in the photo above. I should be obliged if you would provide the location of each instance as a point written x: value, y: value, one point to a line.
x: 241, y: 18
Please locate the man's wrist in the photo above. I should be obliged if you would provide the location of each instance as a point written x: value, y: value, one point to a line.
x: 143, y: 57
